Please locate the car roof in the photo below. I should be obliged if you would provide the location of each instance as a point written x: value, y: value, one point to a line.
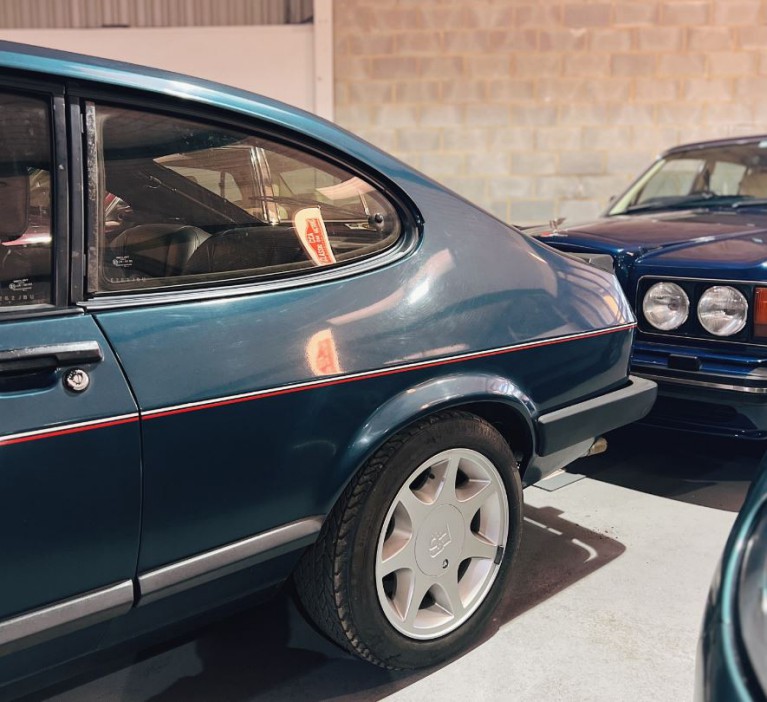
x: 713, y: 143
x: 71, y: 66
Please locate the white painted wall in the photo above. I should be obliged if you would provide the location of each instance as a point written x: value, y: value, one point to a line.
x: 279, y: 61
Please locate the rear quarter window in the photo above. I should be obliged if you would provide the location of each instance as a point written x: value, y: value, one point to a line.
x: 181, y: 202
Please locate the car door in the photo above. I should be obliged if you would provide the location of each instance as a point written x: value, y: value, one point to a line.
x: 69, y: 432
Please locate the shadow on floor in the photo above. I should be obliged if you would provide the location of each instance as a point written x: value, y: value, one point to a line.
x: 271, y: 653
x: 698, y: 469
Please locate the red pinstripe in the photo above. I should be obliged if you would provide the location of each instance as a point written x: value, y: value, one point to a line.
x: 258, y: 395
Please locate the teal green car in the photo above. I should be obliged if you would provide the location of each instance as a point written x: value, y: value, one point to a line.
x: 240, y: 346
x: 732, y: 653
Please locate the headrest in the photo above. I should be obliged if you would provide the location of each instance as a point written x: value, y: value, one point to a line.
x: 754, y: 184
x: 14, y: 202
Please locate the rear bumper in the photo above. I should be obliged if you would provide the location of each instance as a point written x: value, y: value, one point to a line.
x: 586, y: 420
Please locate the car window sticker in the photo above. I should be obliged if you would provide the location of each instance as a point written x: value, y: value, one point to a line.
x: 311, y: 232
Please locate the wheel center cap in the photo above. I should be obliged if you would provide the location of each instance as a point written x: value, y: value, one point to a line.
x: 439, y: 541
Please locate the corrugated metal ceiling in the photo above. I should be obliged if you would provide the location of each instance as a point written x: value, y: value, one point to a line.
x: 83, y: 14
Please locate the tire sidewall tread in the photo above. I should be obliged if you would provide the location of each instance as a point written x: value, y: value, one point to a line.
x: 336, y: 577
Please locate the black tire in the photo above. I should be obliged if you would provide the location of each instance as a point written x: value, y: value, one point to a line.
x: 335, y: 578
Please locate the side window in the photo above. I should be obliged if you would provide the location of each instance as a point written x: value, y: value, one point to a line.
x: 182, y: 202
x: 25, y: 202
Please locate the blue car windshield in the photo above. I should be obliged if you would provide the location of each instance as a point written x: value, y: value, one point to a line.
x: 728, y: 175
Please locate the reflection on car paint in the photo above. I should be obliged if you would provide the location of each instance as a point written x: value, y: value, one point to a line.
x: 285, y: 317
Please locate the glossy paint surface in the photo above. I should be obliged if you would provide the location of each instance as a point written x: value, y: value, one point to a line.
x: 728, y: 244
x: 224, y: 412
x: 69, y: 502
x: 221, y: 472
x: 722, y: 670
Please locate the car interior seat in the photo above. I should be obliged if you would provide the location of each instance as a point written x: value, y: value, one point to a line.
x: 246, y: 248
x: 753, y: 184
x: 26, y: 268
x: 153, y: 250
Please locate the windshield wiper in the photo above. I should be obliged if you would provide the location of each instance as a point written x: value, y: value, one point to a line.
x: 703, y: 199
x: 750, y: 202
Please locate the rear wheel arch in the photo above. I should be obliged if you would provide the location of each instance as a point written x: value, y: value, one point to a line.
x: 493, y: 398
x: 512, y: 425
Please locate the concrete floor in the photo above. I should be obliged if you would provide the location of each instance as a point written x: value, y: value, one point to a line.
x: 605, y: 602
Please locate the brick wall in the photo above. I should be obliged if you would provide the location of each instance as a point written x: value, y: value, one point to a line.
x: 544, y: 109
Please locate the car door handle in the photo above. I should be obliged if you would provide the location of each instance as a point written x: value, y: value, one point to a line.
x: 35, y: 359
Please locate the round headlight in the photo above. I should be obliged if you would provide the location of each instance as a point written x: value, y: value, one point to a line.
x: 666, y: 306
x: 722, y: 310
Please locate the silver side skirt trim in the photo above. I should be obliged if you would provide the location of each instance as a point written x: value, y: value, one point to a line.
x: 210, y: 565
x: 67, y: 615
x: 749, y: 390
x: 98, y: 605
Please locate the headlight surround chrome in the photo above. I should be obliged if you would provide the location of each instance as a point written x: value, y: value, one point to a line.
x: 723, y: 310
x: 666, y: 306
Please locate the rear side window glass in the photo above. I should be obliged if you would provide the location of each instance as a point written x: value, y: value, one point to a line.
x: 25, y: 202
x: 182, y: 202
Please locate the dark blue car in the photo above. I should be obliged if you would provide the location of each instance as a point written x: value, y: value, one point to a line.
x: 688, y: 242
x: 238, y: 344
